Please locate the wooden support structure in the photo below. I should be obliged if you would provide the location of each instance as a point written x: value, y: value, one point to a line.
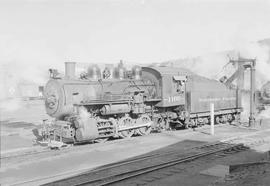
x: 243, y: 64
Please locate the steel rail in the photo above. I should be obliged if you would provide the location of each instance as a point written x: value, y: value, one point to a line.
x: 120, y: 163
x: 133, y: 173
x: 80, y: 172
x: 145, y: 157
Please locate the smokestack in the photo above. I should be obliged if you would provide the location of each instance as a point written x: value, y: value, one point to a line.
x: 70, y: 70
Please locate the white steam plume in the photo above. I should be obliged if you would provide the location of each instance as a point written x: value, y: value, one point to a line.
x: 211, y: 66
x: 260, y: 51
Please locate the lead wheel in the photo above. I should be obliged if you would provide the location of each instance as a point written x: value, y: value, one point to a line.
x: 143, y: 120
x: 123, y: 123
x: 161, y: 124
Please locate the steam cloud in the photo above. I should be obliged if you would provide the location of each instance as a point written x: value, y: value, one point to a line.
x: 213, y: 66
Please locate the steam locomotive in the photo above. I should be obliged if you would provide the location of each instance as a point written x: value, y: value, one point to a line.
x: 121, y: 103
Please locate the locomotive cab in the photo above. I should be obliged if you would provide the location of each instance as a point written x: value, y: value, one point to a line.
x: 170, y: 82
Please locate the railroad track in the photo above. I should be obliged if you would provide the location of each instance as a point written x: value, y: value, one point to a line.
x: 66, y: 149
x: 128, y: 161
x: 125, y: 170
x: 117, y: 164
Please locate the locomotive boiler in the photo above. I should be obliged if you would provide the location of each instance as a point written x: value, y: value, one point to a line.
x: 118, y: 103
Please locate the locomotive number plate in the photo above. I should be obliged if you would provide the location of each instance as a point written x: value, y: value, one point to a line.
x: 172, y: 99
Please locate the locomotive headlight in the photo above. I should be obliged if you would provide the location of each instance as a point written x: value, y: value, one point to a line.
x: 51, y: 101
x: 52, y: 95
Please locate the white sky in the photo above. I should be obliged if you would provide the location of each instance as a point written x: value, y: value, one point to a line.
x: 49, y: 32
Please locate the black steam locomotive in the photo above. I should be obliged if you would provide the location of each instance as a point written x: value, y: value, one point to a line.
x: 116, y: 103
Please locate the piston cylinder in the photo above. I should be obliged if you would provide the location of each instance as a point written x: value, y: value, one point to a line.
x: 87, y: 129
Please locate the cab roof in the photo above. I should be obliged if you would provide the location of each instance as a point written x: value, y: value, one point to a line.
x: 167, y: 70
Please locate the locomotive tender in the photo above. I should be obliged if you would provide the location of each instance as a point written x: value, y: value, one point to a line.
x: 151, y: 98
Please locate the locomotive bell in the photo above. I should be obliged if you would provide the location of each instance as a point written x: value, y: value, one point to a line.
x: 108, y: 72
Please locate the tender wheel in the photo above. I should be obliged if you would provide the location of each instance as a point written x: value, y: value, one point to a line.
x: 217, y: 120
x: 224, y: 119
x: 236, y: 119
x: 142, y: 120
x: 230, y: 118
x: 126, y: 122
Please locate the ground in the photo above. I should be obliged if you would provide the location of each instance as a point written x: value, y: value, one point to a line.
x: 17, y: 123
x: 17, y: 137
x: 258, y: 174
